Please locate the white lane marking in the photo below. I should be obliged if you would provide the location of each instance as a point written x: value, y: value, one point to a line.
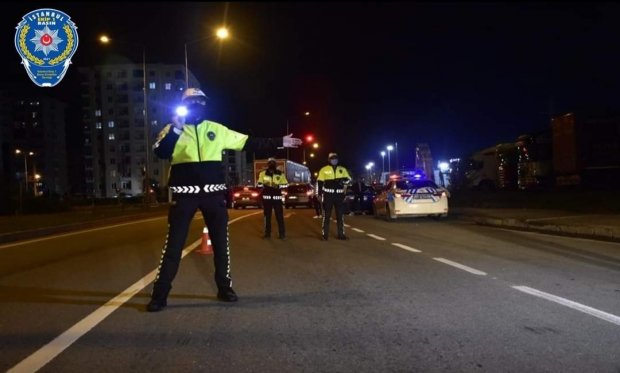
x: 46, y: 353
x: 288, y: 215
x: 348, y: 226
x: 460, y: 266
x: 358, y: 230
x: 405, y: 247
x: 78, y: 232
x: 375, y: 237
x: 570, y: 304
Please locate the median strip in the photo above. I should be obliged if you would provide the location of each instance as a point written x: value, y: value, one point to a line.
x: 570, y: 304
x: 460, y: 266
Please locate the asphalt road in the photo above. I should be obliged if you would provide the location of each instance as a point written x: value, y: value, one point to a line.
x: 415, y: 295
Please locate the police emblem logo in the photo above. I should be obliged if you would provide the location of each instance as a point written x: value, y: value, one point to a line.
x: 211, y: 135
x: 46, y: 39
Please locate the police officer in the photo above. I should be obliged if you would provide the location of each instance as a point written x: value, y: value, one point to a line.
x: 194, y: 147
x: 272, y: 181
x: 332, y: 181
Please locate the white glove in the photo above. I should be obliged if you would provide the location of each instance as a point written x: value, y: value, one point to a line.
x: 290, y: 142
x: 178, y: 122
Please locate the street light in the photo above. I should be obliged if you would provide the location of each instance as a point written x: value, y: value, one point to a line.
x: 104, y: 39
x: 389, y: 149
x: 309, y: 138
x: 382, y: 163
x: 221, y: 33
x: 18, y: 151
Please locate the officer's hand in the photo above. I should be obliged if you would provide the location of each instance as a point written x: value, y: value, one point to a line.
x: 178, y: 122
x: 290, y: 142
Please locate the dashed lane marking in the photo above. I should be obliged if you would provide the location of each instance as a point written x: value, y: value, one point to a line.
x: 405, y: 247
x: 358, y: 230
x: 375, y: 237
x: 460, y: 266
x: 570, y: 304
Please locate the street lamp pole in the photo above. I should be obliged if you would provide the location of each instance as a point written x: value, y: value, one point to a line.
x: 147, y: 183
x: 186, y: 68
x: 382, y: 163
x: 389, y: 149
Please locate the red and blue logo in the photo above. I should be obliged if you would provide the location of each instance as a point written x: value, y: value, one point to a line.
x: 46, y: 39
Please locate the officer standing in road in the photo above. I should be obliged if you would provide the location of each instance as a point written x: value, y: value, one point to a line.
x: 332, y: 181
x: 194, y: 147
x: 272, y: 181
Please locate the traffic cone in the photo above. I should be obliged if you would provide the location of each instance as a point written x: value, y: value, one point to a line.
x: 205, y: 245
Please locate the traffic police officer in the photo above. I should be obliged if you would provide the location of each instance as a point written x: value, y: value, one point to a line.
x: 272, y: 181
x: 332, y: 181
x: 194, y: 147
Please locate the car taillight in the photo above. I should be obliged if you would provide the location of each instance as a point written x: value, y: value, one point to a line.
x: 309, y: 192
x: 237, y: 194
x: 254, y: 194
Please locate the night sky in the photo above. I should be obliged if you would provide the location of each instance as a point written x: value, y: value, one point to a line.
x: 458, y: 76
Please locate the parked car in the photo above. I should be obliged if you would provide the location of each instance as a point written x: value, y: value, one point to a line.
x: 368, y: 195
x: 298, y: 195
x: 411, y: 198
x: 244, y: 196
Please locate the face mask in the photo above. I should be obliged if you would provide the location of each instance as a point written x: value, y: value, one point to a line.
x: 196, y: 113
x: 333, y: 162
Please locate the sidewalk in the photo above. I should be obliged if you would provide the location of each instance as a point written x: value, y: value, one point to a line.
x: 566, y: 223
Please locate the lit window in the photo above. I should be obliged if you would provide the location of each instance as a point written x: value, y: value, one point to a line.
x: 111, y: 124
x: 98, y: 125
x: 154, y: 122
x: 152, y: 85
x: 168, y: 86
x: 111, y: 136
x: 97, y: 113
x: 34, y: 114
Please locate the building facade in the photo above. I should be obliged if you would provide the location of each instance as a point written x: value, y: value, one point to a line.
x: 118, y: 139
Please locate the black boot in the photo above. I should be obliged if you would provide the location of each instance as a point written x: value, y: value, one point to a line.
x: 227, y: 294
x: 159, y: 298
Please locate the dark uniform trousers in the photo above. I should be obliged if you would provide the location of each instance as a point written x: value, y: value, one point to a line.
x: 276, y: 205
x: 335, y: 200
x: 215, y: 214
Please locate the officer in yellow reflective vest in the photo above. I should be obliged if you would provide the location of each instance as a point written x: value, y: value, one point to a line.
x: 332, y: 181
x: 272, y: 181
x: 194, y: 147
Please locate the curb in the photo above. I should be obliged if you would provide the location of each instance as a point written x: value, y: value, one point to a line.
x: 580, y: 231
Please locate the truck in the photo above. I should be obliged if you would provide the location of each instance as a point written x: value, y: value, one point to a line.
x: 534, y: 168
x: 295, y: 172
x: 494, y: 167
x: 586, y: 149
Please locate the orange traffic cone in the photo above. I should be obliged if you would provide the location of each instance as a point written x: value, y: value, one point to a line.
x: 205, y: 246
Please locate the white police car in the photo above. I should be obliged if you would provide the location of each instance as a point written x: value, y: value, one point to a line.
x: 410, y: 197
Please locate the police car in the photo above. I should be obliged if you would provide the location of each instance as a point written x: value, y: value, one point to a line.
x: 411, y: 197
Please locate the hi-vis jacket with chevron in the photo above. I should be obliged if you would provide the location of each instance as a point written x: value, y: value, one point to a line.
x: 332, y: 180
x: 272, y: 182
x: 195, y: 154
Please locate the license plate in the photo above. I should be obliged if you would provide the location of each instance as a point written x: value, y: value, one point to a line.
x: 422, y: 196
x: 292, y: 197
x: 245, y: 198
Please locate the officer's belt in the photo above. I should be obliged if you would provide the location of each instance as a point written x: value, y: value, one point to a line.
x: 275, y: 198
x: 327, y: 190
x: 194, y: 189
